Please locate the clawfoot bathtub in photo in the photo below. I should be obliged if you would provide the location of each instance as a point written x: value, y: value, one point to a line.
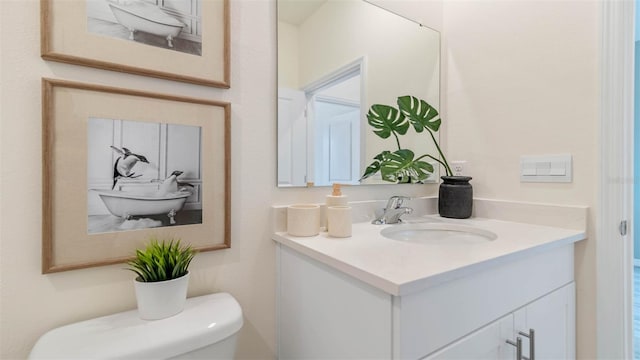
x: 141, y: 16
x: 127, y: 204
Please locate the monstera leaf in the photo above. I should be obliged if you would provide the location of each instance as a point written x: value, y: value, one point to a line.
x: 399, y: 167
x: 420, y: 113
x: 375, y: 165
x: 387, y: 120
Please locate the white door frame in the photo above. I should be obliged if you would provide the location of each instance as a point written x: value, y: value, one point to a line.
x: 614, y: 260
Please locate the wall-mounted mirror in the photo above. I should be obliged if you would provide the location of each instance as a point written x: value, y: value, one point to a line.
x: 336, y: 58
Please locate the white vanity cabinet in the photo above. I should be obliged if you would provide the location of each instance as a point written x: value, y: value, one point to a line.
x: 553, y: 319
x: 548, y: 320
x: 324, y: 313
x: 483, y: 344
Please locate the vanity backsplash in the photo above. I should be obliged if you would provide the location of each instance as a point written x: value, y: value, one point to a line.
x: 562, y: 216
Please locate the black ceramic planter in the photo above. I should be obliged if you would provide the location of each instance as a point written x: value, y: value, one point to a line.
x: 456, y: 197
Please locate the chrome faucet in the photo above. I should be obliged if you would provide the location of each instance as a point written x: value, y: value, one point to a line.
x: 393, y: 211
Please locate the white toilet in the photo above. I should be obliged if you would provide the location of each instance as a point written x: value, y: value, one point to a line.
x: 206, y: 329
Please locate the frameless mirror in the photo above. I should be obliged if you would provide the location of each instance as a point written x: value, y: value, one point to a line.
x: 336, y: 58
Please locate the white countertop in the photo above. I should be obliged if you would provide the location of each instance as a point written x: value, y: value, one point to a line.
x: 399, y: 267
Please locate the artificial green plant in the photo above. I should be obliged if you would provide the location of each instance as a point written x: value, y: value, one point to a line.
x: 402, y: 165
x: 160, y: 261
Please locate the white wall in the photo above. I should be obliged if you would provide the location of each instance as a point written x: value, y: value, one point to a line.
x: 399, y: 54
x: 32, y: 303
x: 522, y: 79
x: 288, y: 67
x: 426, y: 12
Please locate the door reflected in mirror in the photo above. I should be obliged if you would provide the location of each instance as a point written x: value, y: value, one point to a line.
x: 336, y: 58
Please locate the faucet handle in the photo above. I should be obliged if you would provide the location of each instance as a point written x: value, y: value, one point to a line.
x: 396, y: 201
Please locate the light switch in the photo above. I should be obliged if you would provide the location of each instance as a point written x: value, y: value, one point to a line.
x: 557, y: 170
x: 529, y: 169
x: 543, y: 168
x: 546, y: 168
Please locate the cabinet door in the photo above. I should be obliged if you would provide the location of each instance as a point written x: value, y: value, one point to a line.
x: 489, y: 342
x: 552, y: 318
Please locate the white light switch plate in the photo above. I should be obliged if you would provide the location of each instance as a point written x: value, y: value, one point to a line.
x: 546, y: 168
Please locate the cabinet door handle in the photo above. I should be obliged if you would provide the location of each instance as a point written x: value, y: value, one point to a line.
x: 518, y: 345
x: 532, y: 343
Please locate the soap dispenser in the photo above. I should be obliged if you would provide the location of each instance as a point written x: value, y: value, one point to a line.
x: 338, y: 214
x: 336, y: 198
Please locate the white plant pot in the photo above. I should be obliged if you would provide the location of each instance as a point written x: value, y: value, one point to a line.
x: 159, y: 300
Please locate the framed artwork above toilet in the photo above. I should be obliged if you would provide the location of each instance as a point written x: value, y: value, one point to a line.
x: 121, y: 165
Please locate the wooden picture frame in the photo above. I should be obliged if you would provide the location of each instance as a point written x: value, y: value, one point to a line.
x: 111, y: 154
x: 115, y: 35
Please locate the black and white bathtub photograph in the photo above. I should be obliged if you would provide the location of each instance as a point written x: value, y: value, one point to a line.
x: 142, y: 175
x: 169, y: 24
x: 121, y: 165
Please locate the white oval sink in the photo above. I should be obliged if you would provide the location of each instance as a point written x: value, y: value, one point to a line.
x: 438, y: 234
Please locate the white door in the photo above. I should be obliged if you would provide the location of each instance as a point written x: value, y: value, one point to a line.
x: 614, y: 248
x: 292, y: 138
x: 487, y: 343
x: 552, y: 319
x: 337, y: 141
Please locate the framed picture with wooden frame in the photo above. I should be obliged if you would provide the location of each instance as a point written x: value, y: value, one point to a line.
x: 181, y: 40
x: 121, y: 166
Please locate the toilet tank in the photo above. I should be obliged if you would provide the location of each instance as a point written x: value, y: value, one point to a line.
x: 207, y: 327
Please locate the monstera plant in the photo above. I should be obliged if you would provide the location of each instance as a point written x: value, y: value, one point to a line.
x: 402, y: 165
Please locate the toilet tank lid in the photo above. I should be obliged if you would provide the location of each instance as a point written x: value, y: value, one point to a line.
x: 205, y: 320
